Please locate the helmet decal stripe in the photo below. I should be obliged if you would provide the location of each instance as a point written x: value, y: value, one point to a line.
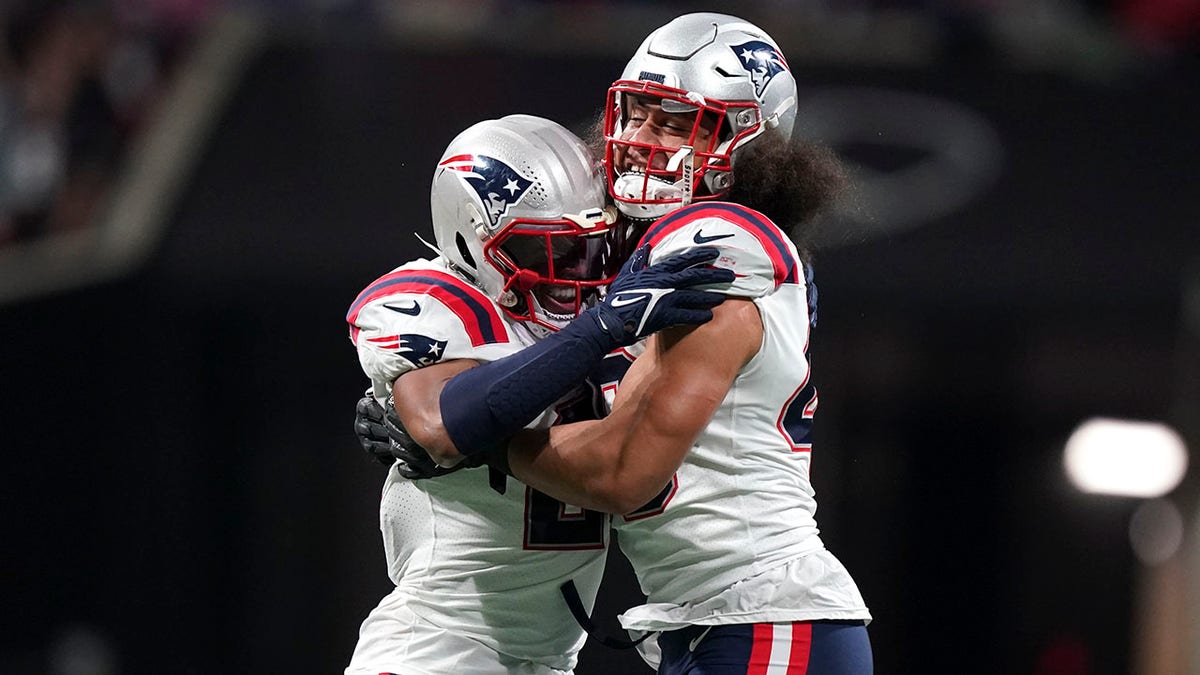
x: 761, y: 61
x: 478, y: 314
x: 767, y: 233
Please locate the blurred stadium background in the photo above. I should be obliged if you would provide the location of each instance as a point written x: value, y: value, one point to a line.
x: 193, y: 191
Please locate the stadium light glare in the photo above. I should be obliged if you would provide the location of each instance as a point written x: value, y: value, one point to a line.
x: 1124, y: 457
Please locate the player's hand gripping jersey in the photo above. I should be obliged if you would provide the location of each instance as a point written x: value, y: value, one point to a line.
x: 464, y: 557
x: 734, y: 539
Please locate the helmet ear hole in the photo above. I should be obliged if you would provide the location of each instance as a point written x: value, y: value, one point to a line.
x: 464, y: 251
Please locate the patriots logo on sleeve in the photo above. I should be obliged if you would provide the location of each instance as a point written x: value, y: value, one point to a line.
x: 498, y: 185
x: 762, y: 61
x: 419, y: 350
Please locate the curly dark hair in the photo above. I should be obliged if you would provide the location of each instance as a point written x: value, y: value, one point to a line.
x: 789, y: 182
x: 593, y: 135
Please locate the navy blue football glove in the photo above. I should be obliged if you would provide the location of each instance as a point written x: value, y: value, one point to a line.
x: 483, y: 407
x: 644, y: 300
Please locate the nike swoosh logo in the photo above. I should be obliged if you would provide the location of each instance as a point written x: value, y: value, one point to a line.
x: 623, y: 300
x: 692, y: 644
x: 701, y: 239
x: 411, y: 310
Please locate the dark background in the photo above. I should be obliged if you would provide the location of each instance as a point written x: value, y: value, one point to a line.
x: 183, y: 491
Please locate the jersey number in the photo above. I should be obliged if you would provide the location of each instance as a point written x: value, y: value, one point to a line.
x: 655, y: 506
x: 551, y: 525
x: 796, y: 420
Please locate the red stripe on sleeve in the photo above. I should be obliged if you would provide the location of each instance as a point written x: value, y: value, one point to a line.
x: 478, y: 315
x: 753, y: 222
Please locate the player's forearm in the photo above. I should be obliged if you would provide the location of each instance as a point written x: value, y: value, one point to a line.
x: 416, y: 395
x: 482, y: 407
x: 598, y: 464
x: 561, y: 462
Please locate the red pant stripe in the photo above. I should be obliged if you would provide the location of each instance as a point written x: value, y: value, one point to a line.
x: 760, y: 651
x: 780, y: 649
x: 801, y: 647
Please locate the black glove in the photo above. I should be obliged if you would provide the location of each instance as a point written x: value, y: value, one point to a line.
x: 383, y: 436
x: 369, y: 429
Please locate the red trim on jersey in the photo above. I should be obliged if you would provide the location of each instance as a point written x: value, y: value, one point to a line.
x: 478, y: 314
x: 639, y: 514
x: 577, y: 521
x: 566, y: 512
x: 759, y: 226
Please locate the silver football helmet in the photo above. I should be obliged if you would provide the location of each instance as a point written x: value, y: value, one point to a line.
x: 727, y: 71
x: 519, y: 209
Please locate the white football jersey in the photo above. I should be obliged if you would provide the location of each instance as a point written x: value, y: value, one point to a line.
x: 739, y: 513
x: 463, y: 557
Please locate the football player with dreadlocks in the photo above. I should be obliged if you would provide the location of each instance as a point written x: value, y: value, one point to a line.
x: 698, y: 141
x: 520, y: 222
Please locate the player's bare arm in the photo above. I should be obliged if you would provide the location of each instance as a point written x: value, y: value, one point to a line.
x: 417, y: 394
x: 619, y: 463
x: 483, y: 407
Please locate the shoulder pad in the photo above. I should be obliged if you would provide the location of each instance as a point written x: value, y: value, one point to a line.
x: 414, y: 317
x: 759, y: 253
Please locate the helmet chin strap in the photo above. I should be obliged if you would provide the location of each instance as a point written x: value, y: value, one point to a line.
x: 687, y: 180
x: 637, y: 187
x: 772, y: 120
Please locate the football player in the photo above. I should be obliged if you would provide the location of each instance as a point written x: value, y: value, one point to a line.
x: 737, y: 577
x: 520, y: 223
x: 698, y: 140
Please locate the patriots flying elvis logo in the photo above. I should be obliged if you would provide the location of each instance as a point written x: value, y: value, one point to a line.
x: 498, y: 185
x: 761, y: 61
x: 420, y: 350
